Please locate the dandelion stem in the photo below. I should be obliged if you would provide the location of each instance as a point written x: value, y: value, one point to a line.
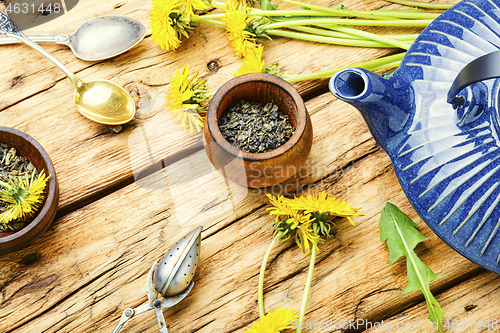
x: 307, y: 288
x: 262, y: 313
x: 335, y: 13
x: 338, y: 12
x: 375, y: 37
x: 259, y: 12
x: 327, y: 40
x: 377, y: 64
x: 337, y: 34
x: 408, y: 14
x: 379, y: 13
x: 328, y: 12
x: 213, y: 16
x: 296, y: 12
x: 421, y: 4
x: 373, y: 23
x: 204, y: 20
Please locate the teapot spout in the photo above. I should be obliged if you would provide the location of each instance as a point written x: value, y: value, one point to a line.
x: 385, y: 101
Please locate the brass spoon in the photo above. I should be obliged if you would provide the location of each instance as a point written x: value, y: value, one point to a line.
x: 100, y: 100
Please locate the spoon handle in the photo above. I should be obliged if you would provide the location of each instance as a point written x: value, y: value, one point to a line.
x: 59, y: 39
x: 10, y: 28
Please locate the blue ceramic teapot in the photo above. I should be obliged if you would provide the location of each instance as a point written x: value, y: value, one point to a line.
x: 445, y: 155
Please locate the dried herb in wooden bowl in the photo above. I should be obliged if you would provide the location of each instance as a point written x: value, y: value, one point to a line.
x: 255, y: 128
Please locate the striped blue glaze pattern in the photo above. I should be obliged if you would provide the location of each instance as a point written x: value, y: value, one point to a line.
x: 447, y: 159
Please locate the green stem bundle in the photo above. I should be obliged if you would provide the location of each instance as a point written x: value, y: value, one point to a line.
x: 262, y: 312
x: 365, y: 23
x: 439, y: 6
x: 373, y: 65
x: 336, y: 26
x: 307, y: 289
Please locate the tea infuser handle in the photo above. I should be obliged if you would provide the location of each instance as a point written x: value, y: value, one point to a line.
x: 129, y: 314
x: 482, y: 68
x: 159, y: 315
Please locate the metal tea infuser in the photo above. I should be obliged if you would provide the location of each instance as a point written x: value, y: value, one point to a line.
x: 171, y: 277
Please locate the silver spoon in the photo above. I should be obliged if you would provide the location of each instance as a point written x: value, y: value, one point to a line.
x: 172, y: 277
x: 100, y: 100
x: 98, y: 38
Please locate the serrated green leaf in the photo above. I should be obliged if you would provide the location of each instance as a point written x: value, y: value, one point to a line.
x: 266, y: 5
x: 398, y: 230
x: 306, y: 8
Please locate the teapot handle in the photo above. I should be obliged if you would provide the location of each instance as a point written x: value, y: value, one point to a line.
x: 482, y: 68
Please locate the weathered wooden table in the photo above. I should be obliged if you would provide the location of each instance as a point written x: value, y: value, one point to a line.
x: 92, y: 263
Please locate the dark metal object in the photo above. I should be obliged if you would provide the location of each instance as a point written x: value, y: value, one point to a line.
x: 483, y: 68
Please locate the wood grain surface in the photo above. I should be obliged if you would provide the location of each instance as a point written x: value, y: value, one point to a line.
x: 127, y: 197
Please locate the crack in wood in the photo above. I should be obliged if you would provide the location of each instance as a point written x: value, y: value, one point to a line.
x: 70, y: 294
x: 365, y: 297
x: 35, y: 286
x: 28, y: 97
x: 3, y: 289
x: 341, y: 170
x: 212, y: 228
x: 400, y: 309
x: 227, y: 247
x: 214, y: 203
x: 201, y: 327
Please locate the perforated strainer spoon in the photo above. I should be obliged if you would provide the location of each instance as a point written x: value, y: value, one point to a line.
x: 172, y: 277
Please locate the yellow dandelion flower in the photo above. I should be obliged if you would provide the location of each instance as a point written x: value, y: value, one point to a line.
x: 322, y: 203
x: 285, y: 213
x: 193, y: 5
x: 252, y: 61
x: 186, y: 98
x: 189, y: 116
x: 275, y: 321
x: 236, y: 20
x: 304, y: 236
x: 23, y: 196
x: 163, y: 27
x: 180, y: 90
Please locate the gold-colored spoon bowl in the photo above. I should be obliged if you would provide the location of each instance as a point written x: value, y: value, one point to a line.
x: 104, y: 102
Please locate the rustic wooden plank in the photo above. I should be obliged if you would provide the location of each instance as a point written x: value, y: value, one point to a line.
x: 92, y: 264
x: 35, y: 96
x: 470, y: 307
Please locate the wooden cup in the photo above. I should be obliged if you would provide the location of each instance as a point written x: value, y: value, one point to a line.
x: 258, y: 170
x: 26, y: 146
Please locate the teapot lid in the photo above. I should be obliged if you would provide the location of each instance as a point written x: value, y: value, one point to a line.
x: 447, y: 157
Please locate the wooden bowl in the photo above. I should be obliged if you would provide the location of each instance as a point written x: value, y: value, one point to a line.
x: 258, y: 170
x: 27, y: 146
